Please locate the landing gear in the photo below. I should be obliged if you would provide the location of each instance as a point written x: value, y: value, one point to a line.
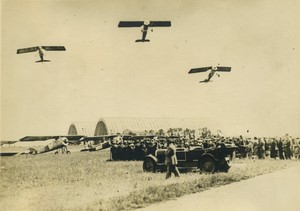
x: 62, y: 150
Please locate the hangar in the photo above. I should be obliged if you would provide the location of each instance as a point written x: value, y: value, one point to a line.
x: 113, y: 125
x: 85, y: 128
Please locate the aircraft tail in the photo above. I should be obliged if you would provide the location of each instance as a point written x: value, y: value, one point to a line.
x: 30, y: 151
x: 142, y: 41
x: 43, y: 61
x: 205, y: 81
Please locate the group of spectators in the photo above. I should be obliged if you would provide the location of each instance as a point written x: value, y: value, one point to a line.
x: 132, y: 149
x: 283, y: 148
x: 136, y: 147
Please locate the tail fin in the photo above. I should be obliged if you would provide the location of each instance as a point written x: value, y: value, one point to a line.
x: 205, y: 81
x: 142, y: 41
x: 42, y: 61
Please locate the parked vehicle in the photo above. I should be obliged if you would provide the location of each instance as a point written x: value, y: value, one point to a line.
x: 208, y: 160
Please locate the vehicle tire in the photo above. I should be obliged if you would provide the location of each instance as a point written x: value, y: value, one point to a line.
x: 149, y: 165
x: 208, y: 165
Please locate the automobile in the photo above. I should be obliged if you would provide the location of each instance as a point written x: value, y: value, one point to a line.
x: 207, y: 160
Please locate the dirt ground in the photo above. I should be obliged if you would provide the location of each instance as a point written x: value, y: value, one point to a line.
x: 276, y: 191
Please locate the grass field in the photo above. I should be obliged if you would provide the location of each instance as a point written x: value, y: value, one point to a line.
x: 87, y: 181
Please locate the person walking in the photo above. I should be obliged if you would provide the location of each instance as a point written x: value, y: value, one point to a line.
x: 171, y: 160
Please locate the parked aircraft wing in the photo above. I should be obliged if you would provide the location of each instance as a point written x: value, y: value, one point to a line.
x: 201, y: 69
x: 160, y: 23
x: 38, y: 138
x: 54, y: 48
x: 130, y: 23
x: 97, y: 138
x: 8, y: 153
x: 27, y: 50
x: 7, y: 142
x: 44, y: 138
x: 223, y: 69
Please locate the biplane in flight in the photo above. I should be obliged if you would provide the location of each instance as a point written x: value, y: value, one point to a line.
x: 145, y: 25
x: 213, y: 70
x: 39, y: 49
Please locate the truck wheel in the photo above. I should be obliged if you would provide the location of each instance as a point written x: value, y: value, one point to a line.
x: 208, y: 165
x: 149, y: 165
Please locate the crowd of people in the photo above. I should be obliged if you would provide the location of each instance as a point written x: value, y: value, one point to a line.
x: 260, y: 148
x: 135, y: 147
x: 274, y: 148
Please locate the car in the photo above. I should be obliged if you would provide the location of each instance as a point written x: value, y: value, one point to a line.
x: 207, y: 160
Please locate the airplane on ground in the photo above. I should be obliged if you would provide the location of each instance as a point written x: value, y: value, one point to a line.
x: 39, y: 48
x: 146, y: 25
x: 58, y: 143
x: 95, y: 143
x: 213, y: 70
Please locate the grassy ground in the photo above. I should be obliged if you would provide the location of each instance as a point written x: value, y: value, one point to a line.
x: 87, y: 181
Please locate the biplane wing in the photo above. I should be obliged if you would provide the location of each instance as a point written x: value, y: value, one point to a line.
x: 160, y: 24
x: 131, y: 23
x: 141, y: 23
x: 27, y: 50
x: 54, y: 48
x: 223, y: 69
x: 145, y: 24
x: 201, y: 69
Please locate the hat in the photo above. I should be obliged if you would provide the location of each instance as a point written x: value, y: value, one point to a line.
x: 169, y: 141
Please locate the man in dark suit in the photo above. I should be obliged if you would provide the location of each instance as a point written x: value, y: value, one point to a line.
x: 280, y: 149
x: 171, y: 160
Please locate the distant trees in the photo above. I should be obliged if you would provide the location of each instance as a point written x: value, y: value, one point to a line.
x: 184, y: 133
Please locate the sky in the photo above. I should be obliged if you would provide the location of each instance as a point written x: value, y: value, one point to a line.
x: 104, y: 73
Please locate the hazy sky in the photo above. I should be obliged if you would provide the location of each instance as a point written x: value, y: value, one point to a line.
x: 105, y: 73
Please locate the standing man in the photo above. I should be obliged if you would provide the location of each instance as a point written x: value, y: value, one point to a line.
x: 171, y: 160
x: 280, y: 149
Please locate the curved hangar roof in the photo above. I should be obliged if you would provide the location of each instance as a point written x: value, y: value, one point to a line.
x: 82, y: 128
x: 113, y: 125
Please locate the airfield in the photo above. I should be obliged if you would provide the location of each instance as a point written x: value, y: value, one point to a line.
x: 142, y: 70
x: 89, y: 181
